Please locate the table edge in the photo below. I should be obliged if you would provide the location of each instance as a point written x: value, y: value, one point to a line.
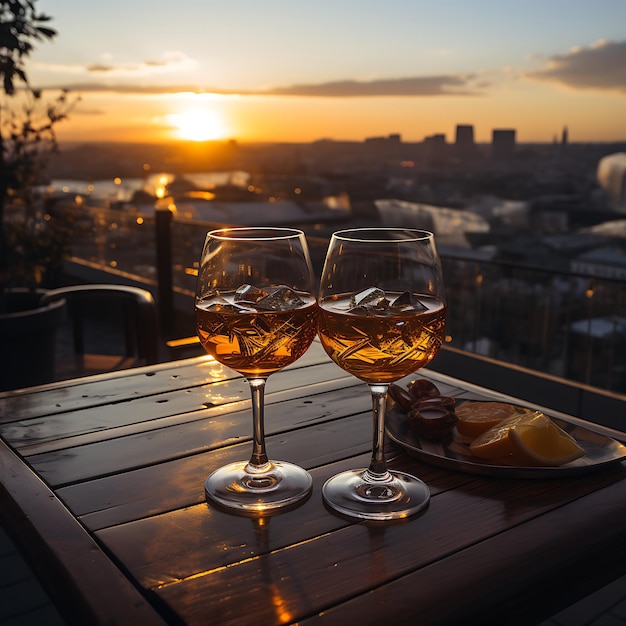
x: 84, y: 583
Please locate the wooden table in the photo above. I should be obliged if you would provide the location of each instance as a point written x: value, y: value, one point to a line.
x: 102, y: 486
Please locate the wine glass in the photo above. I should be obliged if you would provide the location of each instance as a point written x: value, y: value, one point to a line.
x: 382, y: 315
x: 256, y: 313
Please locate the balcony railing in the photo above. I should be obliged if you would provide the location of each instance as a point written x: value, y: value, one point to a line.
x: 564, y: 324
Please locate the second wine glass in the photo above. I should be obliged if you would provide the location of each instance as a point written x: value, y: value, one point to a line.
x: 382, y: 317
x: 256, y: 313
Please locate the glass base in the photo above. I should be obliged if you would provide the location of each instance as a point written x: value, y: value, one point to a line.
x: 351, y: 494
x: 248, y: 491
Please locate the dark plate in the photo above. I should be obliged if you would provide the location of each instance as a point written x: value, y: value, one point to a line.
x: 600, y: 451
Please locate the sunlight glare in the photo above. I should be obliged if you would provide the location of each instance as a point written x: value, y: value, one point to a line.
x: 198, y: 124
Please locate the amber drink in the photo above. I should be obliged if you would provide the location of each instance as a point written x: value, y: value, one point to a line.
x: 256, y: 313
x: 381, y: 347
x: 255, y: 342
x: 382, y: 313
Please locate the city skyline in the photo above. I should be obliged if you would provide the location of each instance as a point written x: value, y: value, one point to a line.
x: 290, y: 71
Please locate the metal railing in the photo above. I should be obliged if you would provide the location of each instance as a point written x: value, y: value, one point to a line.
x: 561, y: 323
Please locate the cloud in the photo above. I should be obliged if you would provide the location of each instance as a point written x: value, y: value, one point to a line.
x: 174, y: 60
x: 101, y: 67
x: 168, y: 61
x: 129, y: 88
x: 601, y: 66
x: 415, y: 86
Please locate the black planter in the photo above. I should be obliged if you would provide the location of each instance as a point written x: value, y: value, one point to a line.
x: 28, y: 339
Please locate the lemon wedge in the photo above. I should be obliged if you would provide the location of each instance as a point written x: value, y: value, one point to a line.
x: 527, y: 439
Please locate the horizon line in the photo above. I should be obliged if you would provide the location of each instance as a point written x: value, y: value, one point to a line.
x: 234, y: 140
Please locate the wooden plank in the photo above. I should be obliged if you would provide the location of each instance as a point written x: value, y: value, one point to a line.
x: 220, y: 427
x: 326, y: 377
x: 146, y: 409
x: 310, y: 576
x: 107, y: 388
x: 131, y: 490
x: 560, y: 557
x: 114, y: 387
x: 84, y: 583
x: 141, y: 493
x: 189, y: 438
x: 158, y: 553
x: 180, y: 483
x: 222, y: 405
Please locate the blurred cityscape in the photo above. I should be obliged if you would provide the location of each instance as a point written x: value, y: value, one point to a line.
x: 532, y: 236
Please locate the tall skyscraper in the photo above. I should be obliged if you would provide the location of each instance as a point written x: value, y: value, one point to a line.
x: 464, y: 140
x: 464, y: 135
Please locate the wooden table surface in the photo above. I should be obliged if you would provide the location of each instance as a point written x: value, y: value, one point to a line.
x: 102, y: 485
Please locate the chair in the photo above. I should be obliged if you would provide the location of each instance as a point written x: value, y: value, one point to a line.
x: 111, y: 327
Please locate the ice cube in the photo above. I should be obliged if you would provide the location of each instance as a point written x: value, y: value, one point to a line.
x: 212, y: 303
x: 248, y: 293
x: 282, y: 298
x: 220, y: 305
x: 367, y: 297
x: 406, y: 302
x: 359, y: 310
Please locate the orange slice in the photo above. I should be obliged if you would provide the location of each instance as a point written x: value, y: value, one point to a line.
x: 530, y: 439
x: 474, y: 418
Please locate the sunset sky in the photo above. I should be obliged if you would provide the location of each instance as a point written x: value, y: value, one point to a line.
x: 290, y: 70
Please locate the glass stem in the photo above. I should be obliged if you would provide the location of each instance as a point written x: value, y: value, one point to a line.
x: 377, y: 470
x: 258, y: 461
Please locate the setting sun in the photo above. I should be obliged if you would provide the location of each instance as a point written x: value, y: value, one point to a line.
x: 198, y: 124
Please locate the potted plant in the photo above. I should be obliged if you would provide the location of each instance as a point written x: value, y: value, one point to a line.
x: 33, y: 240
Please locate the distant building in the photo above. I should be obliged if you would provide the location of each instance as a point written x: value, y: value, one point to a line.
x: 437, y: 138
x: 611, y: 175
x: 435, y: 147
x: 394, y: 139
x: 607, y: 262
x: 464, y: 135
x: 464, y: 140
x: 502, y: 143
x: 449, y: 225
